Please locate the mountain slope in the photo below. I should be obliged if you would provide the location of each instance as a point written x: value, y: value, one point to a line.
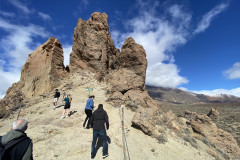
x: 56, y: 138
x: 178, y: 96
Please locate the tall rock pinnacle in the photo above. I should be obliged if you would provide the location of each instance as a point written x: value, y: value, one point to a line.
x: 43, y: 69
x: 93, y: 48
x: 41, y: 73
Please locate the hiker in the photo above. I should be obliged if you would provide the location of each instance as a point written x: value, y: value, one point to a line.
x: 22, y: 148
x: 88, y: 111
x: 55, y: 99
x: 67, y: 106
x: 99, y: 118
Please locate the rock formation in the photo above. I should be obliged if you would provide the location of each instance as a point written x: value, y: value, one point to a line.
x: 43, y: 69
x: 130, y: 68
x: 213, y: 113
x: 41, y: 73
x: 93, y: 48
x: 124, y: 73
x: 203, y: 125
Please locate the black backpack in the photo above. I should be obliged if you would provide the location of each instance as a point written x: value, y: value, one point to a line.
x: 8, y: 146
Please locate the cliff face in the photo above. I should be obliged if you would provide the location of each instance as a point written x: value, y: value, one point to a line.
x: 41, y: 73
x: 130, y: 68
x: 93, y: 48
x: 43, y: 69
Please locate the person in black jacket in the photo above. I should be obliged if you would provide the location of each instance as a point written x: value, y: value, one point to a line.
x: 98, y: 121
x: 55, y: 99
x: 23, y: 149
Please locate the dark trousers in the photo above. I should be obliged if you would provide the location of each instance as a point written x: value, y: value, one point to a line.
x: 99, y: 134
x: 88, y: 118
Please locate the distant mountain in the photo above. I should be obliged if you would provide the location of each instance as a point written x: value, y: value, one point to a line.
x: 178, y: 96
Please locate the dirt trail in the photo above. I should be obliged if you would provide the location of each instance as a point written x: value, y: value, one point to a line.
x: 66, y: 139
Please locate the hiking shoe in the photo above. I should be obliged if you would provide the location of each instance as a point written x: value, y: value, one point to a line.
x: 66, y: 116
x: 105, y: 156
x: 62, y: 117
x: 54, y: 108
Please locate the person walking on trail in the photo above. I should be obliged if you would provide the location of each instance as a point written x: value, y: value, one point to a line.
x: 88, y: 111
x: 67, y: 106
x: 55, y: 99
x: 19, y: 145
x: 98, y: 121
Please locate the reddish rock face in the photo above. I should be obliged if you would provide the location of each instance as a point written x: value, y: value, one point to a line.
x: 133, y: 57
x: 130, y: 68
x: 41, y: 73
x: 43, y: 69
x: 93, y: 48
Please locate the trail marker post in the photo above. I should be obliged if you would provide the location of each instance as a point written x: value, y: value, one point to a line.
x: 89, y: 90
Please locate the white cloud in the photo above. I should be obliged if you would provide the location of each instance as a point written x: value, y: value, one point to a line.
x: 44, y: 16
x: 14, y: 49
x: 67, y: 49
x: 16, y: 45
x: 7, y: 14
x: 20, y: 6
x: 166, y: 75
x: 234, y: 72
x: 7, y: 79
x: 159, y: 36
x: 217, y: 92
x: 207, y: 18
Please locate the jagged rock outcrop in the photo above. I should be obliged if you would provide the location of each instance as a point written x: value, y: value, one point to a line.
x: 11, y: 101
x: 203, y: 125
x: 93, y: 48
x: 213, y: 113
x: 130, y: 72
x: 127, y: 80
x: 43, y: 69
x: 41, y: 73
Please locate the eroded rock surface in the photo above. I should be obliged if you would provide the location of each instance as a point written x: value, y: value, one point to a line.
x: 42, y: 72
x: 93, y: 48
x: 203, y: 125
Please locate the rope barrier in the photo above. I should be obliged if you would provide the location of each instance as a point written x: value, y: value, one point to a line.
x: 124, y: 139
x: 19, y: 111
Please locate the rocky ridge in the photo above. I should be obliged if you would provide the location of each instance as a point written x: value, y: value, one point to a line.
x: 41, y: 73
x: 123, y: 75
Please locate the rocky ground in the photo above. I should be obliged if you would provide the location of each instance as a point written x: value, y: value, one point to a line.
x: 228, y: 119
x: 56, y: 138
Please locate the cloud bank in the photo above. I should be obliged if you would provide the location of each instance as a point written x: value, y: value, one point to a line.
x: 15, y: 47
x: 160, y: 36
x: 217, y: 92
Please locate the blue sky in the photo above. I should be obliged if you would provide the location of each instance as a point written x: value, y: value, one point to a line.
x: 193, y: 45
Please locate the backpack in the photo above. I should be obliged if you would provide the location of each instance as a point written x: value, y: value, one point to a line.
x: 8, y: 146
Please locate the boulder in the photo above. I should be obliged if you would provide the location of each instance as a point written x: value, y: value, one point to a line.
x: 213, y: 113
x: 145, y: 119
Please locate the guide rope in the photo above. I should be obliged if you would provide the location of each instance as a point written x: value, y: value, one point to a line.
x: 124, y: 140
